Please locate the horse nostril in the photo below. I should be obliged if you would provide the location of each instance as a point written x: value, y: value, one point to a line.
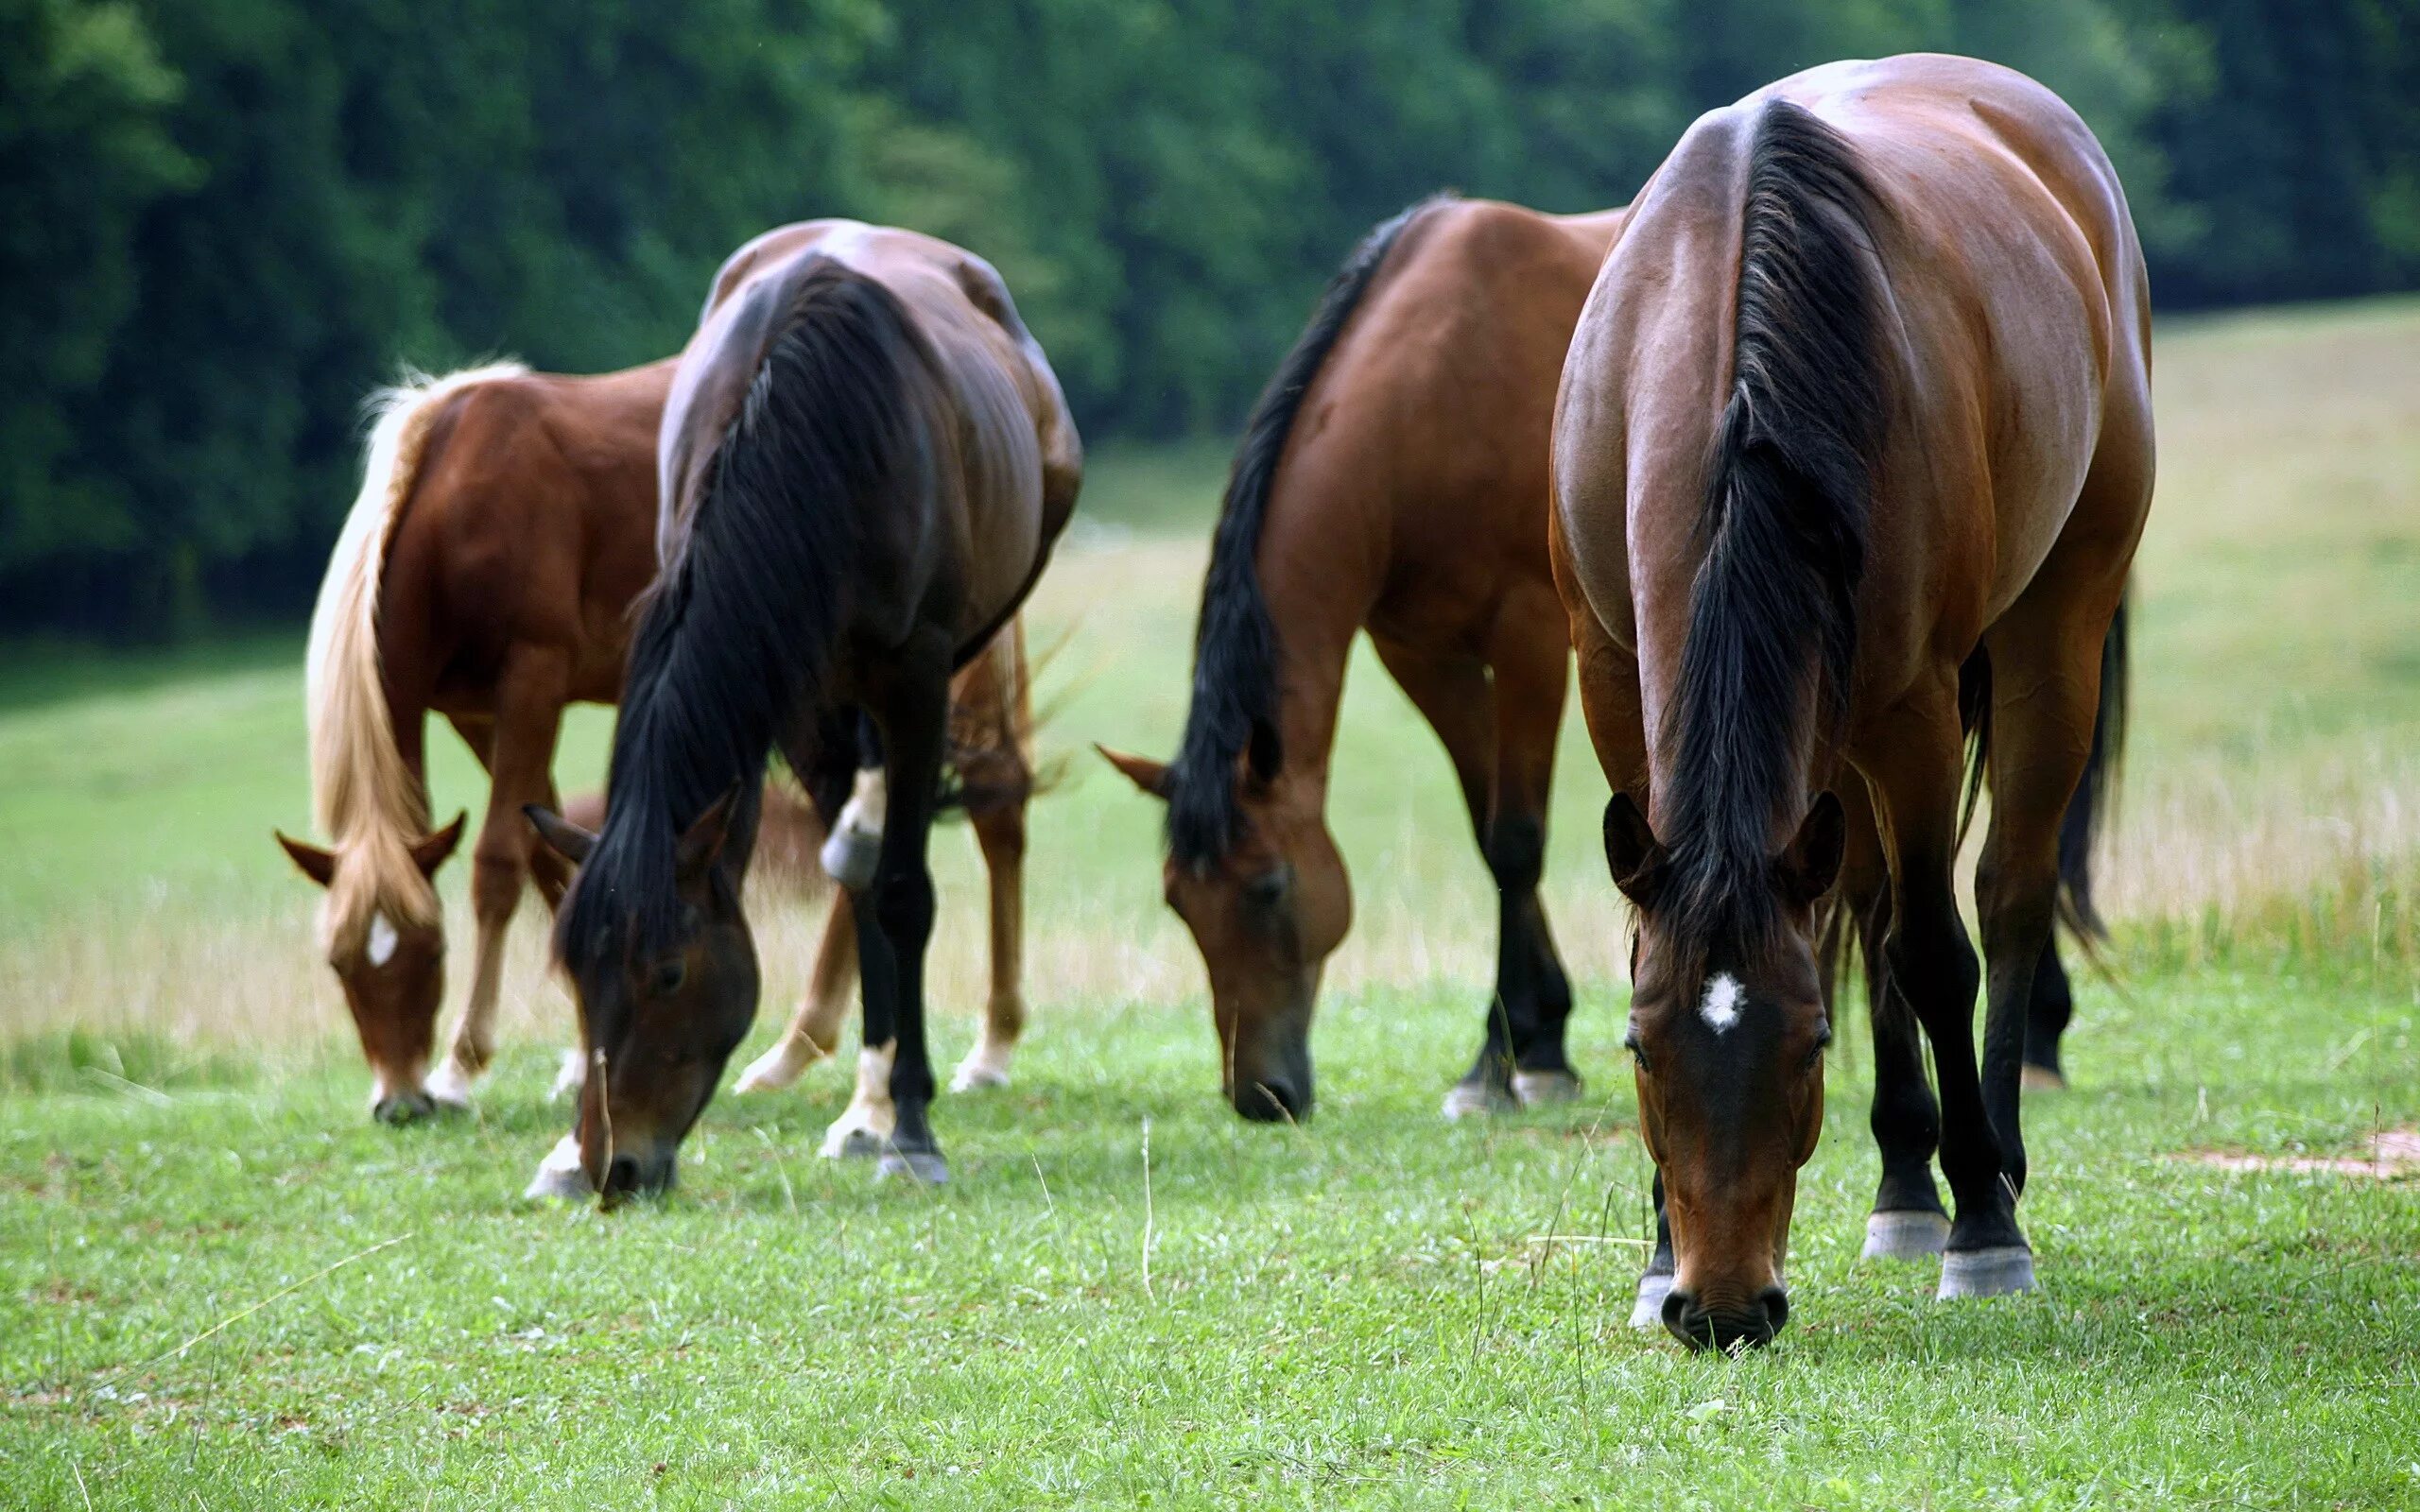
x: 1682, y: 1320
x: 622, y: 1176
x: 1776, y: 1310
x: 1270, y: 1101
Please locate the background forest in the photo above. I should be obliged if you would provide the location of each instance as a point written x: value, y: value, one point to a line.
x: 225, y: 221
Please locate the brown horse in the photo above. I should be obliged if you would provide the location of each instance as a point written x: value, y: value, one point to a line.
x: 505, y: 523
x: 1857, y: 418
x: 863, y: 467
x: 1392, y: 478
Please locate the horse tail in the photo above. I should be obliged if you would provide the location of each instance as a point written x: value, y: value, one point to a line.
x: 1234, y: 645
x: 734, y: 644
x: 2095, y: 793
x: 1784, y: 521
x: 362, y: 795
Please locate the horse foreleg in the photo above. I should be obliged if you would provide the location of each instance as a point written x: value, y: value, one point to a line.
x: 519, y: 754
x: 1531, y: 659
x: 999, y: 831
x: 897, y: 915
x: 814, y: 1031
x: 1907, y: 1221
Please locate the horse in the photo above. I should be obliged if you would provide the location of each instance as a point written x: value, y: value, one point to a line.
x: 1414, y: 506
x: 863, y: 466
x: 504, y: 524
x: 1392, y: 478
x: 1851, y: 456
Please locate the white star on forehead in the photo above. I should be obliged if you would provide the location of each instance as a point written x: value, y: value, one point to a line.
x: 382, y: 940
x: 1720, y: 1009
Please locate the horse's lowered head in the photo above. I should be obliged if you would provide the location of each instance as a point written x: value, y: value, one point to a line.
x: 660, y: 960
x: 383, y: 934
x: 1727, y: 1030
x: 1268, y: 902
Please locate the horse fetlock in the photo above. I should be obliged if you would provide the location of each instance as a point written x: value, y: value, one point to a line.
x: 450, y: 1085
x: 1541, y: 1089
x: 781, y: 1065
x: 986, y: 1065
x: 558, y: 1176
x: 865, y: 1127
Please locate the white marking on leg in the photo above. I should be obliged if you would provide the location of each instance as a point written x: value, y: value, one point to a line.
x: 986, y: 1065
x: 559, y: 1174
x: 1720, y: 1009
x: 571, y: 1073
x: 451, y: 1085
x: 382, y: 941
x: 856, y: 845
x: 870, y: 1112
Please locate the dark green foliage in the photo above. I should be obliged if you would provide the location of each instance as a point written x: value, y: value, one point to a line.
x: 227, y: 220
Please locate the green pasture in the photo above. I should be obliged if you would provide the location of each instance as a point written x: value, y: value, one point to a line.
x: 221, y: 1286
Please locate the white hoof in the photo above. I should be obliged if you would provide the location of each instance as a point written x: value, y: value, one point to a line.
x: 1470, y: 1099
x: 1647, y: 1310
x: 450, y: 1085
x: 1905, y: 1235
x: 558, y: 1175
x: 2002, y: 1271
x: 983, y: 1067
x: 571, y: 1073
x: 864, y: 1126
x: 1537, y: 1088
x: 780, y: 1066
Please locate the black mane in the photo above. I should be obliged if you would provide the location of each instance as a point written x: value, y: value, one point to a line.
x: 1772, y: 615
x: 1234, y: 645
x: 734, y: 642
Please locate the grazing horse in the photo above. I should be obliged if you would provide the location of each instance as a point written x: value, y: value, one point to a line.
x: 863, y: 466
x: 1412, y: 504
x: 505, y: 523
x: 1391, y: 478
x: 1857, y: 418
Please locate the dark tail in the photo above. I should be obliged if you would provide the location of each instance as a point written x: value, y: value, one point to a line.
x: 2096, y: 795
x: 2095, y: 792
x: 1784, y: 520
x: 1235, y: 647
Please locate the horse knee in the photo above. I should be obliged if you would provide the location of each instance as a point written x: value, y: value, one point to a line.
x: 1516, y: 851
x: 496, y: 878
x: 904, y: 909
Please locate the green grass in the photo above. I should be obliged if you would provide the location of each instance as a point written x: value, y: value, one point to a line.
x: 220, y: 1286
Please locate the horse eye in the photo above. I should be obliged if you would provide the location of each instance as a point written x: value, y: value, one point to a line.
x: 1629, y: 1042
x: 1815, y: 1055
x: 667, y: 977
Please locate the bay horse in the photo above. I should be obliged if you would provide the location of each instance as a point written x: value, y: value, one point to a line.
x: 1856, y: 420
x: 864, y: 464
x: 1393, y: 477
x: 505, y: 525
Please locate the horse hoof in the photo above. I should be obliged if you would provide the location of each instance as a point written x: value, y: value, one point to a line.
x: 450, y: 1086
x: 1537, y: 1088
x: 774, y: 1070
x: 852, y: 1145
x: 1472, y: 1099
x: 925, y: 1167
x: 2041, y: 1079
x: 2002, y: 1271
x: 1648, y: 1312
x: 1908, y: 1234
x: 558, y: 1175
x: 974, y: 1075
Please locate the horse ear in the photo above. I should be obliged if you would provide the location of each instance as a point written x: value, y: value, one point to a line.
x: 314, y: 863
x: 1635, y: 855
x: 1812, y: 862
x: 1266, y: 754
x: 702, y: 842
x: 431, y: 853
x: 569, y: 840
x: 1145, y: 773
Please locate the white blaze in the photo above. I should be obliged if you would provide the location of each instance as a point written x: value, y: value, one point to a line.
x: 1720, y: 1008
x: 382, y: 940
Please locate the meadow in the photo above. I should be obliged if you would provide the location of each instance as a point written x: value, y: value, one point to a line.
x: 220, y: 1286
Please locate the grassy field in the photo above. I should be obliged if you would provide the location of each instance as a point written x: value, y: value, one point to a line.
x: 221, y: 1286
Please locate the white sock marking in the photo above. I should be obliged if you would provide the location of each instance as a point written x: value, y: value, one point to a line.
x: 1720, y: 1008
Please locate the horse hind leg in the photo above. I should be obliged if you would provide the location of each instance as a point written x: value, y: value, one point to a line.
x: 1532, y: 663
x: 999, y: 831
x: 895, y: 915
x: 814, y: 1031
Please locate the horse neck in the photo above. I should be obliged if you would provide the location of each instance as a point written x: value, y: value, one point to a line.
x: 1320, y: 578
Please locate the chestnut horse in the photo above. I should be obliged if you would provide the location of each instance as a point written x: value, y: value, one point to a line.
x: 1412, y: 502
x: 1393, y: 478
x: 505, y: 523
x: 863, y: 467
x: 1857, y: 417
